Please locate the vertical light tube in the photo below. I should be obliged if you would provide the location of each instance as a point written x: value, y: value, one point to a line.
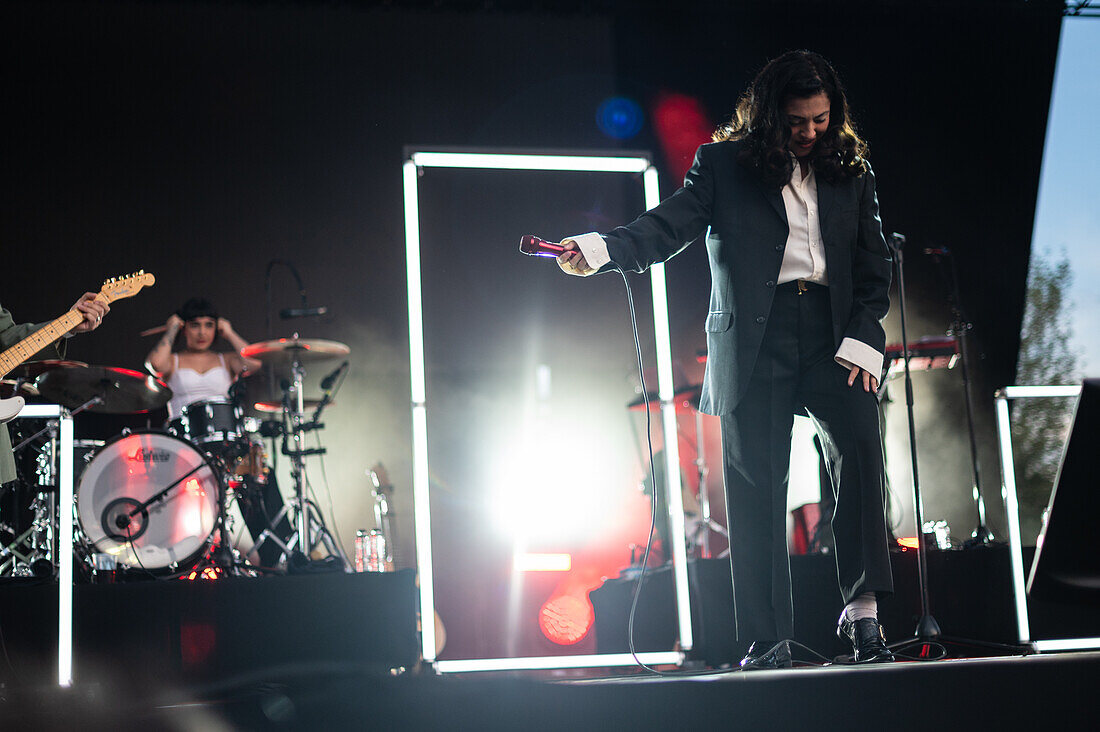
x: 65, y: 555
x: 418, y: 392
x: 1012, y: 514
x: 666, y: 391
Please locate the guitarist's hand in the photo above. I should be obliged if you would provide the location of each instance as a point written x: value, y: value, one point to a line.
x: 93, y: 311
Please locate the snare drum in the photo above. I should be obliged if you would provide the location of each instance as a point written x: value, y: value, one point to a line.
x: 171, y: 533
x: 213, y: 424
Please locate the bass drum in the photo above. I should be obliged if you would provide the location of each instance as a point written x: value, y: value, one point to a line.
x: 171, y: 533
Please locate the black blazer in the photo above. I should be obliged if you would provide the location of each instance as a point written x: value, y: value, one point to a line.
x: 746, y: 232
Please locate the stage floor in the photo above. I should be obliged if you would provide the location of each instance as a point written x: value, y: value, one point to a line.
x: 1005, y: 692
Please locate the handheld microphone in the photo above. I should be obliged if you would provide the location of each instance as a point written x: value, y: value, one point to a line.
x: 536, y: 247
x: 290, y: 313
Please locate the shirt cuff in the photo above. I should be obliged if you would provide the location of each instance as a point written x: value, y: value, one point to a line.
x: 857, y: 353
x: 593, y: 247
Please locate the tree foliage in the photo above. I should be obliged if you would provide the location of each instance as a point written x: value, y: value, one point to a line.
x: 1047, y: 356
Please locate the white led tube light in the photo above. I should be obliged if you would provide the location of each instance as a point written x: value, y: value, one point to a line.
x: 421, y: 488
x: 1012, y: 511
x: 503, y: 161
x: 64, y: 535
x: 528, y: 663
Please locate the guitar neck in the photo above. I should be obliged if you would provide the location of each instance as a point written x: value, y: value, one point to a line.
x: 38, y: 340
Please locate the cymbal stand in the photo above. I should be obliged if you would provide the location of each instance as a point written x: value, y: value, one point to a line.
x: 90, y: 403
x: 296, y: 427
x: 707, y: 524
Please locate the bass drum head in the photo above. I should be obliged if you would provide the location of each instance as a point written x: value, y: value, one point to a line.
x: 168, y: 534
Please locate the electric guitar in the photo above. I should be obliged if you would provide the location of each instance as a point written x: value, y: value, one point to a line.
x: 115, y: 288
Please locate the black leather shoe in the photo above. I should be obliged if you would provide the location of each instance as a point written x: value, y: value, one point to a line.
x: 767, y: 654
x: 867, y: 639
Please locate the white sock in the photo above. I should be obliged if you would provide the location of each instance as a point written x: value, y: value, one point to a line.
x: 864, y: 606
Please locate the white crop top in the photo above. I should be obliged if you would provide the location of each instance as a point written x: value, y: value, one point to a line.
x: 189, y: 386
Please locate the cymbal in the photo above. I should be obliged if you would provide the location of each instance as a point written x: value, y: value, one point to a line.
x: 686, y: 395
x: 273, y: 407
x: 260, y: 392
x: 285, y: 351
x: 33, y: 369
x: 123, y: 391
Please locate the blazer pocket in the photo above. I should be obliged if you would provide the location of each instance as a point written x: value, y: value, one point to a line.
x: 718, y: 321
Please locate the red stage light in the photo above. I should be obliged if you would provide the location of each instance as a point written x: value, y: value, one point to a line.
x: 566, y: 619
x: 682, y: 125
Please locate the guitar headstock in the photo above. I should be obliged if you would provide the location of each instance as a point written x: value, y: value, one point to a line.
x: 118, y: 288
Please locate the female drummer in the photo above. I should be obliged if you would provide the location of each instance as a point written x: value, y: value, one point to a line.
x: 197, y: 373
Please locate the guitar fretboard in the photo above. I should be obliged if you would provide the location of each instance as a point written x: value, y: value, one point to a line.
x: 38, y: 340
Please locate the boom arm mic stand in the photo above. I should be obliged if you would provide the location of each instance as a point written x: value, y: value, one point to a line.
x: 960, y: 328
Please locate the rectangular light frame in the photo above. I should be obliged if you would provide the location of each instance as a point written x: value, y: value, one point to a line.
x: 1012, y: 512
x: 64, y: 534
x: 416, y: 161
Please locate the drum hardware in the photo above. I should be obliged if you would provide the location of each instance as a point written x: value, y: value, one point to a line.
x: 215, y: 424
x: 52, y: 426
x: 702, y: 524
x: 16, y: 387
x: 295, y: 353
x: 37, y: 542
x: 381, y: 490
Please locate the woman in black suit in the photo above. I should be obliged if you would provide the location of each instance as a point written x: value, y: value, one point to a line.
x: 800, y: 275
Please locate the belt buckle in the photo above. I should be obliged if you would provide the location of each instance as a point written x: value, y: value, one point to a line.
x: 802, y: 288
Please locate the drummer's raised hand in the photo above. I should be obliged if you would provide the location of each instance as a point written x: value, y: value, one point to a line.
x: 93, y: 311
x: 225, y: 329
x: 573, y: 262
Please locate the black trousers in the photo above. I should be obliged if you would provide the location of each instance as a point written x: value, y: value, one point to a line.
x: 795, y: 372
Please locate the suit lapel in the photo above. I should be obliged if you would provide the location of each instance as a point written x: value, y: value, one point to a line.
x: 826, y: 202
x: 775, y: 198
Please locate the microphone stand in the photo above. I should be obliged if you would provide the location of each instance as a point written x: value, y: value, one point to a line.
x: 927, y: 630
x: 960, y: 329
x: 927, y: 627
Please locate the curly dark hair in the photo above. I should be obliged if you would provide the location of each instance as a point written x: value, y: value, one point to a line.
x: 197, y: 307
x: 760, y: 122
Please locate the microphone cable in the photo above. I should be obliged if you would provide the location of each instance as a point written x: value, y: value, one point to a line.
x: 653, y: 503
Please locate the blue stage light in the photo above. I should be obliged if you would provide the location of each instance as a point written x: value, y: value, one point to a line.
x: 619, y: 118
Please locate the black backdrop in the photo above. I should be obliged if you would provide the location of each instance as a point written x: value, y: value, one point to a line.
x: 199, y: 140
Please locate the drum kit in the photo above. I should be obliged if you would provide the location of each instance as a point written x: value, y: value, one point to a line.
x: 156, y: 502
